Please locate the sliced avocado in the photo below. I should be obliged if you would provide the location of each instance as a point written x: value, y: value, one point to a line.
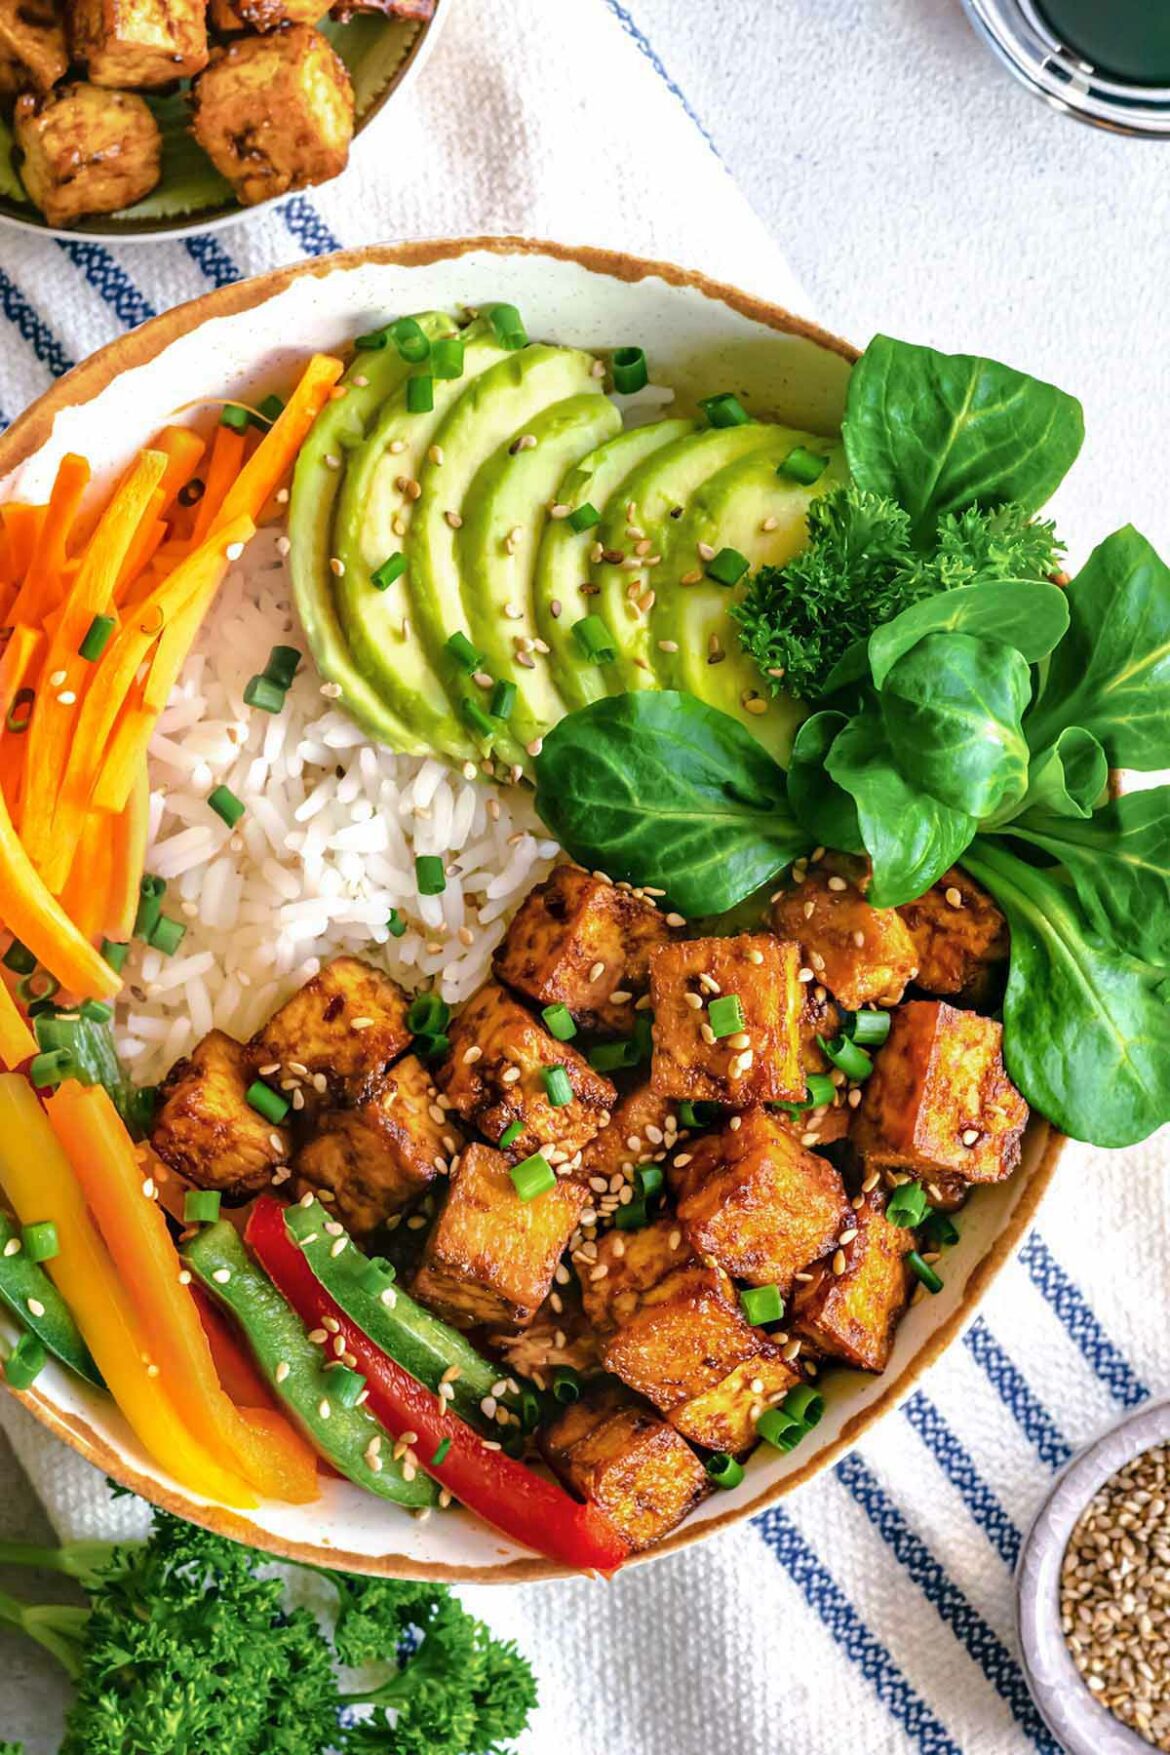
x: 494, y: 409
x: 641, y: 515
x: 562, y: 566
x: 374, y: 516
x: 505, y: 513
x: 694, y: 642
x: 317, y: 485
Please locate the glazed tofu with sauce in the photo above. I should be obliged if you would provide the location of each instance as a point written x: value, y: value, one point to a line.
x: 642, y: 1130
x: 761, y: 1206
x: 862, y: 954
x: 939, y: 1102
x: 633, y: 1262
x: 33, y: 51
x: 853, y: 1316
x: 227, y: 16
x: 960, y: 938
x: 275, y: 113
x: 494, y: 1075
x: 618, y: 1454
x: 206, y: 1129
x: 490, y: 1257
x: 134, y: 43
x: 757, y: 1062
x: 379, y: 1156
x: 583, y: 943
x: 341, y: 1030
x: 86, y: 151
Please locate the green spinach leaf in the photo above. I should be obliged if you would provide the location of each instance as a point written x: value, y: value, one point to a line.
x: 1031, y: 617
x: 1067, y: 779
x: 941, y: 432
x: 1086, y: 1031
x: 952, y: 708
x: 911, y: 838
x: 656, y: 788
x: 1111, y: 672
x: 818, y: 803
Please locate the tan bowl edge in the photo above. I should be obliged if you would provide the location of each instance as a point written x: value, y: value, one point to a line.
x: 24, y: 437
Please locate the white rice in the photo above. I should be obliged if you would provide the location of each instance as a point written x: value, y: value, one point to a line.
x: 325, y: 850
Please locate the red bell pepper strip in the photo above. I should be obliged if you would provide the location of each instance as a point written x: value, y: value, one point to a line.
x: 521, y: 1504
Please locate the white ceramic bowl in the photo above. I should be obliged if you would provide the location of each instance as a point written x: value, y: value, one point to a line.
x: 700, y: 337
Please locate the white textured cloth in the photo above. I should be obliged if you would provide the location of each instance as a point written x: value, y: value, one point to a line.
x: 873, y: 1612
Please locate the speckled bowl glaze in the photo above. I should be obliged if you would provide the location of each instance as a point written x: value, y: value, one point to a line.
x: 700, y: 337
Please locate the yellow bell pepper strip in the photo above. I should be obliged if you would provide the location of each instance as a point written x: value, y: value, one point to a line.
x: 39, y: 1183
x: 17, y: 1042
x: 34, y: 916
x: 114, y: 1178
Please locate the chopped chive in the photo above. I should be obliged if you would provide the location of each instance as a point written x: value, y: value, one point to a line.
x: 459, y: 647
x: 225, y: 804
x: 167, y: 936
x: 867, y: 1029
x: 558, y: 1021
x: 803, y: 465
x: 584, y: 517
x: 40, y: 1240
x: 629, y: 370
x: 531, y: 1411
x: 533, y: 1176
x: 20, y: 713
x: 372, y: 342
x: 907, y: 1206
x: 429, y: 874
x: 46, y: 1070
x: 728, y: 567
x: 97, y: 638
x: 510, y: 1134
x: 395, y: 925
x: 698, y: 1114
x: 724, y: 1470
x: 25, y: 1362
x: 150, y: 894
x: 725, y: 410
x: 115, y: 954
x: 282, y: 665
x: 632, y: 1217
x: 442, y: 1451
x: 939, y: 1230
x: 392, y: 568
x: 96, y: 1011
x: 345, y: 1386
x: 762, y: 1304
x: 503, y: 700
x: 235, y: 417
x: 606, y: 1057
x: 508, y: 326
x: 725, y: 1014
x: 263, y: 693
x: 447, y: 357
x: 804, y: 1404
x: 420, y: 393
x: 853, y: 1061
x: 426, y: 1013
x: 36, y: 988
x: 271, y: 408
x: 775, y: 1425
x: 201, y: 1206
x: 821, y: 1089
x: 594, y: 640
x: 266, y: 1102
x: 923, y: 1271
x: 648, y: 1181
x: 19, y: 959
x: 477, y: 718
x: 410, y: 338
x: 566, y: 1385
x: 557, y: 1086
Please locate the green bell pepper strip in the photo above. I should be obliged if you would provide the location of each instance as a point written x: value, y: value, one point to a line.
x: 38, y: 1306
x: 422, y: 1343
x: 277, y: 1338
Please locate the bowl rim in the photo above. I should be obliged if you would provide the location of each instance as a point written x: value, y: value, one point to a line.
x: 27, y: 434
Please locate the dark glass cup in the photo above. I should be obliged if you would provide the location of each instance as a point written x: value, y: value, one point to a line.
x: 1102, y: 61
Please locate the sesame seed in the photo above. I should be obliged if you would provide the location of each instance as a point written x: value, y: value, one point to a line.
x: 599, y: 1272
x: 35, y: 1307
x: 675, y: 1239
x: 837, y: 883
x: 858, y: 938
x: 597, y: 971
x: 338, y: 1245
x: 324, y: 1407
x: 954, y: 897
x: 488, y: 1406
x: 454, y: 520
x: 12, y: 1247
x: 694, y: 1000
x: 67, y: 698
x: 281, y: 1371
x: 57, y: 678
x: 705, y: 551
x: 970, y: 1136
x: 509, y: 1075
x: 770, y: 522
x: 854, y: 1097
x: 847, y: 1236
x: 675, y: 920
x: 473, y: 1054
x: 184, y: 1276
x: 337, y: 567
x: 839, y: 1262
x: 221, y: 1276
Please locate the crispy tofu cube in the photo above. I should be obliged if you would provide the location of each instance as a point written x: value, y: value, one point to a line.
x: 490, y: 1256
x: 960, y: 938
x: 819, y: 1017
x: 643, y: 1129
x: 421, y: 9
x: 939, y: 1102
x: 138, y: 42
x: 493, y: 1076
x: 578, y: 941
x: 822, y: 1126
x: 378, y: 1157
x: 205, y: 1128
x: 621, y: 1456
x: 559, y: 1334
x: 724, y: 1416
x: 759, y: 1063
x: 275, y: 113
x: 763, y: 1207
x: 227, y: 16
x: 633, y: 1262
x: 33, y: 51
x: 86, y: 151
x: 859, y: 952
x: 345, y: 1026
x: 853, y: 1316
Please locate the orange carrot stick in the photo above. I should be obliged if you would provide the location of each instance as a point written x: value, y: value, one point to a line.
x: 147, y: 538
x: 224, y: 465
x: 85, y: 887
x: 129, y: 832
x: 277, y: 451
x: 17, y: 1041
x: 22, y: 526
x: 124, y: 757
x: 35, y: 917
x: 42, y: 586
x: 183, y: 449
x: 18, y: 664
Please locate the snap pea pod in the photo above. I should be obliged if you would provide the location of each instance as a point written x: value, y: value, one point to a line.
x: 298, y: 1369
x: 38, y: 1306
x: 420, y: 1342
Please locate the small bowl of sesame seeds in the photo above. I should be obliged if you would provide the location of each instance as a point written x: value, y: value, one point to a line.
x: 1093, y: 1593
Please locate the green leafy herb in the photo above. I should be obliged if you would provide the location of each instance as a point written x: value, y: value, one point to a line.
x: 822, y: 807
x: 1068, y: 779
x: 1029, y: 615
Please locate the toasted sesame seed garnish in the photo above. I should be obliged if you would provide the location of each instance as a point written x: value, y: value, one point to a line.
x: 792, y: 1350
x: 704, y: 551
x: 12, y: 1247
x: 970, y: 1136
x: 854, y: 1097
x: 694, y: 1000
x: 454, y: 520
x: 509, y: 1075
x: 674, y: 919
x: 332, y: 462
x: 837, y: 883
x: 770, y: 522
x: 472, y: 1054
x: 954, y: 897
x: 388, y: 1296
x: 221, y: 1276
x: 741, y: 1039
x: 34, y: 1307
x: 847, y: 1236
x: 599, y: 1272
x: 57, y: 677
x: 858, y: 937
x: 839, y: 1262
x: 67, y: 698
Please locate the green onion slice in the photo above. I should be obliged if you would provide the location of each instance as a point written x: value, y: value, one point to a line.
x: 115, y: 954
x: 725, y: 410
x: 804, y: 1404
x: 20, y: 712
x: 459, y: 647
x: 420, y: 393
x: 427, y: 1013
x: 726, y: 1014
x: 25, y: 1362
x: 594, y: 640
x: 97, y: 638
x: 282, y: 665
x: 430, y: 874
x: 40, y: 1240
x: 533, y: 1176
x: 907, y: 1206
x: 566, y: 1385
x: 345, y: 1386
x: 853, y: 1061
x: 924, y: 1272
x: 803, y: 465
x: 201, y: 1206
x: 477, y: 718
x: 584, y: 517
x: 395, y: 925
x: 167, y: 936
x: 867, y: 1029
x: 510, y: 1134
x: 728, y: 567
x: 272, y: 407
x: 261, y: 692
x: 503, y: 699
x: 648, y: 1181
x: 19, y: 959
x: 558, y: 1021
x: 447, y: 357
x: 939, y: 1230
x: 762, y: 1304
x: 236, y: 417
x: 632, y: 1217
x: 508, y: 326
x: 410, y: 338
x: 226, y: 805
x: 442, y: 1451
x: 266, y: 1102
x: 48, y: 1070
x: 724, y: 1470
x: 557, y: 1086
x: 392, y: 568
x: 629, y: 370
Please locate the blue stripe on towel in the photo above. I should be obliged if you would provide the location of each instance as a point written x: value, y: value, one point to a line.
x: 958, y: 1465
x: 308, y: 228
x: 109, y: 280
x: 34, y: 330
x: 210, y: 257
x: 1081, y: 1325
x: 1017, y: 1396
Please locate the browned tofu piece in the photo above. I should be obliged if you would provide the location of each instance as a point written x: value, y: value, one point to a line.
x: 578, y: 941
x: 762, y: 1206
x: 633, y: 1262
x: 490, y: 1256
x: 758, y: 1064
x: 819, y: 1017
x: 378, y: 1157
x: 643, y: 1129
x: 559, y: 1334
x: 493, y: 1076
x: 960, y: 938
x: 345, y: 1026
x: 421, y: 9
x: 724, y: 1416
x: 939, y: 1101
x: 859, y: 952
x: 822, y: 1126
x: 621, y: 1456
x: 227, y: 16
x: 33, y: 51
x: 138, y: 42
x: 86, y: 151
x: 275, y: 112
x: 205, y: 1128
x: 853, y: 1315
